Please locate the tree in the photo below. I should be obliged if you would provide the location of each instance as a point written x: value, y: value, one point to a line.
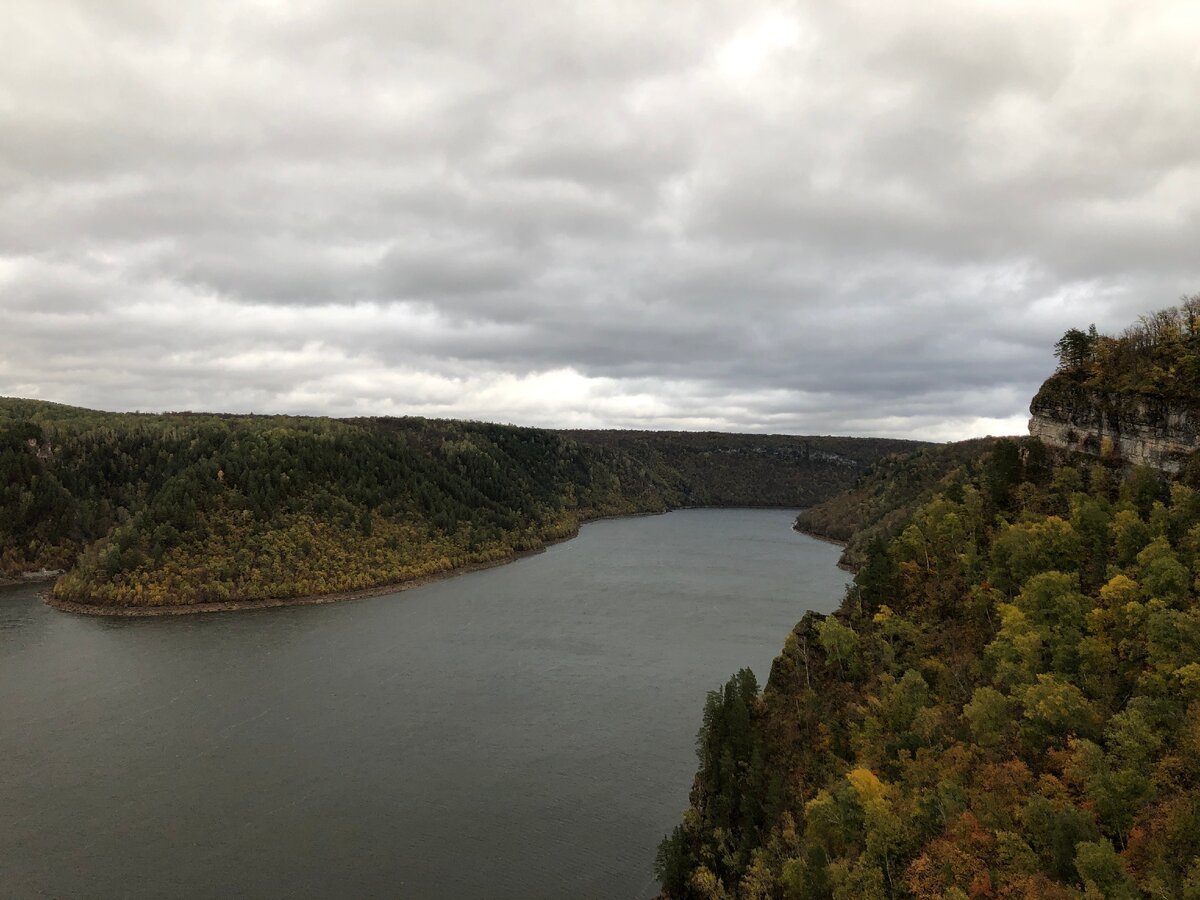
x: 674, y: 862
x: 1117, y: 778
x: 884, y: 832
x: 1054, y: 607
x: 989, y: 716
x: 1161, y: 573
x: 838, y: 641
x: 1022, y: 551
x: 1103, y: 872
x: 1002, y: 470
x: 1074, y: 349
x: 1142, y: 488
x: 1015, y: 654
x: 1130, y: 535
x: 1055, y: 708
x: 1054, y: 828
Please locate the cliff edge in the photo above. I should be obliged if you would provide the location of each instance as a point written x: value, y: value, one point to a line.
x: 1139, y: 430
x: 1133, y: 397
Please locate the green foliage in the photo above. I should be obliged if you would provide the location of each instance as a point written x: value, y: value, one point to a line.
x: 726, y: 824
x: 838, y: 641
x: 892, y: 489
x: 1076, y: 348
x: 989, y: 716
x: 1103, y: 872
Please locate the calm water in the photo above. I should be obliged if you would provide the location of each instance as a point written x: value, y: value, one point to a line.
x: 525, y: 731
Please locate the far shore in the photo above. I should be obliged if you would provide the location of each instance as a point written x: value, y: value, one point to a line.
x: 187, y: 609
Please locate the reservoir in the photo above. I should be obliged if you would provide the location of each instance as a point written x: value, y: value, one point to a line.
x: 525, y: 731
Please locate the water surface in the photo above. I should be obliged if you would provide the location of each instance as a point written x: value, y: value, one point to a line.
x: 520, y: 732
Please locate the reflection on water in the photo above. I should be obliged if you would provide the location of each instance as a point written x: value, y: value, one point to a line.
x: 524, y: 731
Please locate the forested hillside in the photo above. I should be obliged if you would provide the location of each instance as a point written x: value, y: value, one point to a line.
x: 1006, y: 704
x: 890, y: 492
x: 717, y: 469
x: 166, y: 510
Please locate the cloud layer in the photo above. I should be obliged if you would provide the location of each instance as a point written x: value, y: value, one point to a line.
x: 854, y: 218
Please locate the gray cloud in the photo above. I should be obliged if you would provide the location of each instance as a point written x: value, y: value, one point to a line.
x: 804, y: 217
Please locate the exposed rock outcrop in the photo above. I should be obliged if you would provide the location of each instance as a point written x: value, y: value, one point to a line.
x: 1139, y: 430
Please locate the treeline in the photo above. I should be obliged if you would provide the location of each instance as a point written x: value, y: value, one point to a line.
x: 153, y: 510
x: 1007, y: 704
x: 1158, y: 356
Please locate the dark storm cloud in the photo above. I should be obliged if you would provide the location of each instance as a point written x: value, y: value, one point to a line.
x: 807, y: 217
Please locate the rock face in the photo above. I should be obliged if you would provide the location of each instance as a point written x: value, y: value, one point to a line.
x: 1138, y: 430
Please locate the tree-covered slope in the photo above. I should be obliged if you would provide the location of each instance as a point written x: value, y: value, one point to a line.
x: 717, y: 469
x: 889, y: 492
x: 1007, y: 704
x: 178, y: 509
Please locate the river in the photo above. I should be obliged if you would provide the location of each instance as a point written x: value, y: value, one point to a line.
x: 520, y: 732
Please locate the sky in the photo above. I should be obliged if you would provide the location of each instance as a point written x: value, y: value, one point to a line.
x: 865, y: 218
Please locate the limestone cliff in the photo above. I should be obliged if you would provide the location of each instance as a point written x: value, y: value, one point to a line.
x: 1138, y: 429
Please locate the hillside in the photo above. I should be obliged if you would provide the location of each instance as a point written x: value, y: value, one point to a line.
x: 151, y: 511
x: 718, y: 469
x: 1006, y: 705
x: 889, y: 493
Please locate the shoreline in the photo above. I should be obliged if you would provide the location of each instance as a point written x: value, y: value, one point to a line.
x: 820, y: 537
x: 187, y: 609
x: 844, y: 566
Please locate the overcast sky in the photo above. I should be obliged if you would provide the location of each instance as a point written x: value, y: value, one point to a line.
x: 825, y: 217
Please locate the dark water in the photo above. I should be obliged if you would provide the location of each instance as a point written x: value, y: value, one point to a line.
x: 525, y: 731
